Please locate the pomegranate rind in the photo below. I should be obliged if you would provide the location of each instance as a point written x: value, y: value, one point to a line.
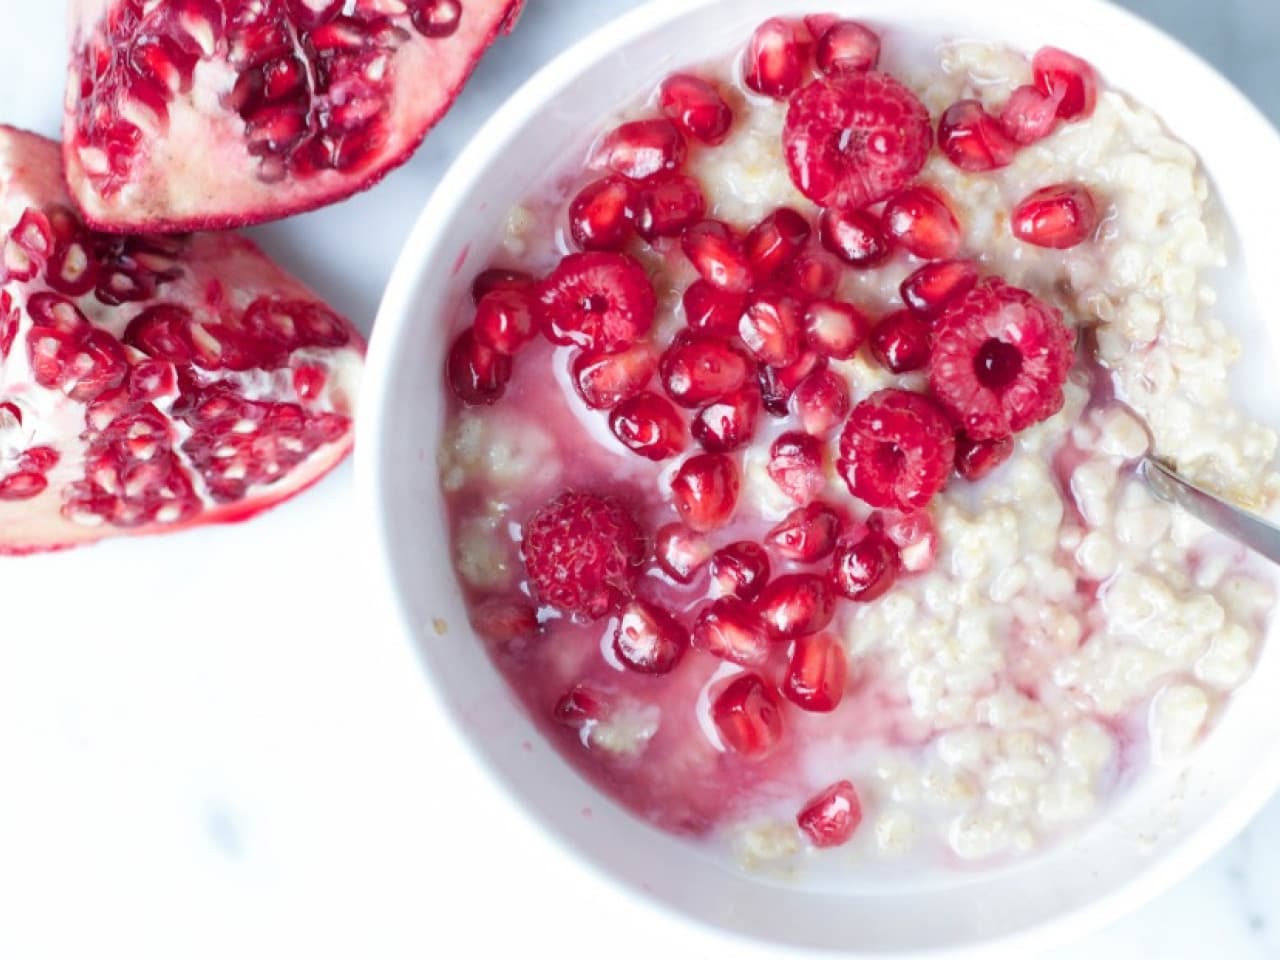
x: 196, y: 171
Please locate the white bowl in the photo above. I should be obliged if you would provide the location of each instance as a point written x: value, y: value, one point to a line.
x: 1158, y: 832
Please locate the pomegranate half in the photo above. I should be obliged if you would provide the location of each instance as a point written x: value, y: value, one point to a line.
x: 151, y: 383
x: 205, y: 114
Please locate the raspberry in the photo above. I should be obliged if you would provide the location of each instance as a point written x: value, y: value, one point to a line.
x: 600, y: 301
x: 1000, y: 358
x: 897, y: 450
x: 854, y: 139
x: 583, y: 553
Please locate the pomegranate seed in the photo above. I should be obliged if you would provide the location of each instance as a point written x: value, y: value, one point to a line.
x: 847, y: 47
x: 835, y: 329
x: 865, y: 569
x: 680, y: 552
x: 728, y: 423
x: 34, y: 234
x: 39, y: 459
x: 778, y: 383
x: 748, y: 716
x: 796, y: 466
x: 641, y: 148
x: 499, y: 278
x: 696, y: 107
x: 775, y: 241
x: 729, y: 629
x: 698, y: 368
x: 506, y: 320
x: 814, y: 273
x: 921, y: 220
x: 579, y: 706
x: 935, y: 285
x: 666, y: 203
x: 1068, y: 79
x: 713, y: 311
x: 601, y: 215
x: 740, y: 570
x: 807, y: 533
x: 821, y: 401
x: 977, y: 458
x: 716, y: 253
x: 856, y: 236
x: 604, y: 380
x: 649, y: 425
x: 705, y: 491
x: 974, y: 140
x: 777, y: 58
x: 1057, y: 217
x: 23, y: 485
x: 1029, y: 115
x: 771, y: 328
x: 795, y: 604
x: 817, y: 672
x: 308, y: 380
x: 914, y: 535
x: 901, y: 342
x: 505, y: 619
x: 831, y: 818
x: 649, y: 639
x: 478, y: 374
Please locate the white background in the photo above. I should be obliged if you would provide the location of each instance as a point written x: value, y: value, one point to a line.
x: 215, y: 744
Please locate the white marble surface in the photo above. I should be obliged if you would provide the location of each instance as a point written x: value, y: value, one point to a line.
x: 200, y: 759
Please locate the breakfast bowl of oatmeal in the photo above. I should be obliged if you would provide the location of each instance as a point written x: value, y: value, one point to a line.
x: 751, y: 450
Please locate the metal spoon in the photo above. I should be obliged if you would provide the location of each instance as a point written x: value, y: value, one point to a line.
x: 1241, y: 525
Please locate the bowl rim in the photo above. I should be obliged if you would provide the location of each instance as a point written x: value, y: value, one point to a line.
x: 396, y: 310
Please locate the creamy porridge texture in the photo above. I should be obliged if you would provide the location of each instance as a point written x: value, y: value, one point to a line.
x: 722, y: 614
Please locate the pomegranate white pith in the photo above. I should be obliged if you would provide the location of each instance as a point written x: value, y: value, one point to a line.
x: 163, y: 383
x: 202, y: 114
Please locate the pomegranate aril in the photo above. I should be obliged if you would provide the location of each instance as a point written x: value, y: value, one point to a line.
x: 830, y: 818
x: 977, y: 458
x: 478, y: 374
x: 816, y: 675
x: 808, y: 533
x: 1068, y: 79
x: 437, y: 18
x: 740, y: 569
x: 729, y: 422
x: 666, y: 203
x: 821, y: 402
x: 796, y: 466
x: 23, y: 485
x: 864, y: 569
x: 1058, y: 216
x: 846, y: 46
x: 796, y: 604
x: 649, y: 425
x: 506, y: 320
x: 920, y: 219
x: 601, y: 215
x: 34, y: 234
x: 1029, y: 115
x: 696, y: 106
x: 648, y: 638
x: 499, y: 278
x: 771, y: 328
x: 709, y: 310
x: 717, y: 254
x: 935, y: 285
x: 39, y: 459
x: 814, y: 273
x: 974, y: 140
x: 604, y: 380
x: 641, y: 148
x: 698, y: 368
x: 579, y: 707
x: 748, y: 716
x: 728, y: 628
x: 901, y: 342
x: 599, y: 301
x: 775, y: 241
x: 835, y: 329
x: 858, y: 237
x: 915, y: 536
x: 505, y: 619
x: 777, y: 58
x: 705, y: 491
x: 680, y: 552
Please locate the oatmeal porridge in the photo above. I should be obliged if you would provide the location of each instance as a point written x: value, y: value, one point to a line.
x: 791, y: 453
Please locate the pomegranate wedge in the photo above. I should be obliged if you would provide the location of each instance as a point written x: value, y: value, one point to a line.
x: 204, y: 114
x: 152, y: 383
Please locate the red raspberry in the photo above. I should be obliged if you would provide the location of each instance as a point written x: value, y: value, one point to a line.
x: 855, y: 138
x: 583, y: 553
x: 1000, y: 358
x: 897, y: 450
x: 600, y: 301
